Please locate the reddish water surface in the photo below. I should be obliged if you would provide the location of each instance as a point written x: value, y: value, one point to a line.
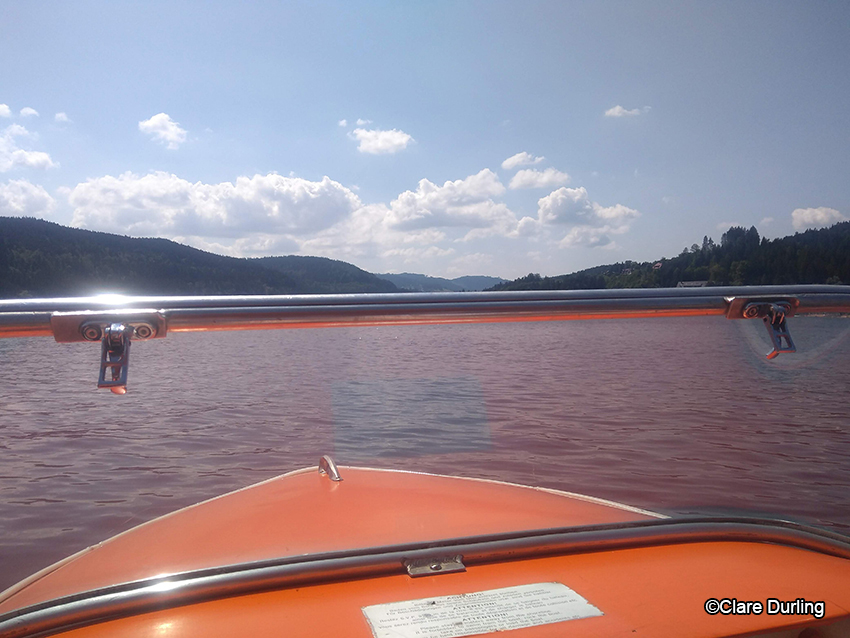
x: 665, y: 414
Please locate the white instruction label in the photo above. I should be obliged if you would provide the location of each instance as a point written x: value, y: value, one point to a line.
x: 479, y: 612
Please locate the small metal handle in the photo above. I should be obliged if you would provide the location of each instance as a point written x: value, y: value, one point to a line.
x: 327, y: 466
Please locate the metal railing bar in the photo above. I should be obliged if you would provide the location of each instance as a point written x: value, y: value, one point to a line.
x: 32, y: 317
x: 111, y: 301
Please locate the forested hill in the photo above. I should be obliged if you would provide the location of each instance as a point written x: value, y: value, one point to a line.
x: 741, y: 259
x: 43, y: 259
x: 320, y: 274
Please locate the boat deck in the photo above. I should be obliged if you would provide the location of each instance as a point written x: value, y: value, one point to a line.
x: 302, y: 554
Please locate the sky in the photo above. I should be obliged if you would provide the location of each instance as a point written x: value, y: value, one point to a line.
x: 464, y: 138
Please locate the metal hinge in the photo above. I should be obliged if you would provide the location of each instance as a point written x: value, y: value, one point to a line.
x: 437, y: 565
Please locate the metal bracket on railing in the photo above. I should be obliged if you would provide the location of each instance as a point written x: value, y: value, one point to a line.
x: 115, y: 358
x: 774, y: 314
x: 89, y: 325
x: 777, y: 329
x: 114, y: 329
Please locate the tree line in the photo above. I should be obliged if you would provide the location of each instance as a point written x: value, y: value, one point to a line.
x: 742, y: 258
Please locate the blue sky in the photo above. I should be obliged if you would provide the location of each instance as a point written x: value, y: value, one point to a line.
x: 445, y: 138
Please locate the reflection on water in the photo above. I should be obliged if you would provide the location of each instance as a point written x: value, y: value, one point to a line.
x: 401, y: 418
x: 658, y: 413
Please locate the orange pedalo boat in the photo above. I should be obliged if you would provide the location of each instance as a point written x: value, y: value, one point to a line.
x: 372, y: 553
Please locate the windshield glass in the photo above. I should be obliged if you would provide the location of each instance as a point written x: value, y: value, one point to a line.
x: 301, y: 148
x: 671, y: 415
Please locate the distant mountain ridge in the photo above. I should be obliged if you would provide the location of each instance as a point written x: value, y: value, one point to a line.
x: 424, y: 283
x: 44, y: 259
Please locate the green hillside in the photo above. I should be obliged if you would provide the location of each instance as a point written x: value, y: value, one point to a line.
x: 43, y: 259
x: 741, y: 258
x: 320, y: 274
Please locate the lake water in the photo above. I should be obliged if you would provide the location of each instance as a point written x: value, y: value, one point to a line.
x: 666, y: 414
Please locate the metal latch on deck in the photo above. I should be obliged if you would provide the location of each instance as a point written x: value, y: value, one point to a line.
x: 431, y: 566
x: 328, y: 468
x: 774, y: 313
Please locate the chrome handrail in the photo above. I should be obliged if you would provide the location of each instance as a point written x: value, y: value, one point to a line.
x: 115, y: 321
x: 128, y: 599
x: 42, y: 317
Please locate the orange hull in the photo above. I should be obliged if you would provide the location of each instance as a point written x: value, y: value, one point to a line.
x: 319, y: 558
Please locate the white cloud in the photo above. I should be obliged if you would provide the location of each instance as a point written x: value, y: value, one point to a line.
x: 413, y: 229
x: 273, y: 214
x: 766, y: 221
x: 615, y: 214
x: 362, y: 122
x: 343, y: 122
x: 465, y: 203
x: 163, y: 129
x: 619, y: 111
x: 5, y: 111
x: 369, y: 233
x: 20, y: 198
x: 528, y: 227
x: 471, y: 263
x: 533, y: 178
x: 565, y: 206
x: 162, y: 204
x: 378, y: 142
x: 591, y: 222
x: 521, y: 159
x: 12, y: 155
x: 28, y: 111
x: 803, y: 218
x: 423, y: 228
x: 588, y: 236
x: 413, y: 254
x: 61, y: 117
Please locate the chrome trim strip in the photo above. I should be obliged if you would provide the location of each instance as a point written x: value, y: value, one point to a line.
x: 32, y: 317
x: 139, y: 597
